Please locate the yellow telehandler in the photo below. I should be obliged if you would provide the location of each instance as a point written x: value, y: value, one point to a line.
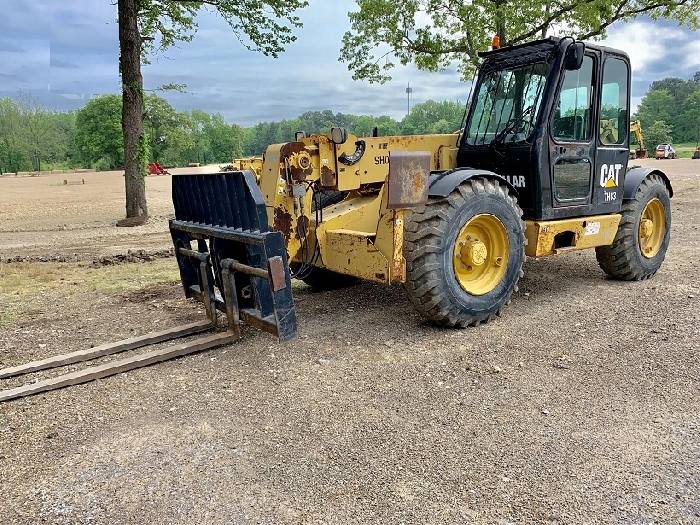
x: 451, y: 217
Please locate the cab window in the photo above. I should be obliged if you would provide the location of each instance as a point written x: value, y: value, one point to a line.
x: 572, y: 116
x: 613, y: 102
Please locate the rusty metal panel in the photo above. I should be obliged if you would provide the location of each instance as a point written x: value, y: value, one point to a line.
x: 408, y: 178
x: 277, y: 274
x: 328, y: 179
x: 398, y: 263
x: 353, y: 253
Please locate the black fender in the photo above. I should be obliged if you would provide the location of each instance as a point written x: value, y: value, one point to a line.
x: 442, y: 184
x: 634, y: 177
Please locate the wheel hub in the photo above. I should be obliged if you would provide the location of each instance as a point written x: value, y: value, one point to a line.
x: 474, y: 253
x: 481, y: 251
x: 652, y: 228
x: 646, y: 228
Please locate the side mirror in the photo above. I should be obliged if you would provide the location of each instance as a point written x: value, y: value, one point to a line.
x: 339, y: 135
x: 574, y: 56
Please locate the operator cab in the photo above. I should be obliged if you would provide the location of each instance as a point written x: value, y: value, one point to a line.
x: 552, y: 117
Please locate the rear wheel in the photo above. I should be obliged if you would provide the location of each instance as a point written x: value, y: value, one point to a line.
x: 464, y: 254
x: 643, y: 235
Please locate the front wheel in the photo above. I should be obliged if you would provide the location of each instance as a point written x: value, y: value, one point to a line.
x: 643, y: 235
x: 464, y: 254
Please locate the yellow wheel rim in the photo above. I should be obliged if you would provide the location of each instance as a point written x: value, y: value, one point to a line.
x: 652, y: 228
x: 481, y: 254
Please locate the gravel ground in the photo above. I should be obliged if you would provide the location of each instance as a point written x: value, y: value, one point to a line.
x: 581, y: 404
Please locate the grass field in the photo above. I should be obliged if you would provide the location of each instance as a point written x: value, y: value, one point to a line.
x: 685, y: 149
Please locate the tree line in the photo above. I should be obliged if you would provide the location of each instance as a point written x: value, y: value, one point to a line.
x: 424, y: 118
x: 33, y: 138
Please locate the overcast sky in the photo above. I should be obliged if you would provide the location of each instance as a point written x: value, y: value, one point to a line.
x: 66, y: 52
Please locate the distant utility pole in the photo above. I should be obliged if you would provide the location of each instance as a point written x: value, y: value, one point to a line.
x: 409, y: 90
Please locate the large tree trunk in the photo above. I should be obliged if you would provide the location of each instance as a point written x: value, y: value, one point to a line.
x: 132, y: 107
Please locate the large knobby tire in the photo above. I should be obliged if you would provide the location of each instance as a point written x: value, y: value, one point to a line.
x: 464, y: 254
x: 320, y: 278
x: 643, y: 235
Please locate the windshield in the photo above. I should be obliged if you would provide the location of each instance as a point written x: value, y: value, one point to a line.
x: 507, y: 105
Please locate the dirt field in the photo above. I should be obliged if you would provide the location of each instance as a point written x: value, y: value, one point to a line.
x: 581, y: 404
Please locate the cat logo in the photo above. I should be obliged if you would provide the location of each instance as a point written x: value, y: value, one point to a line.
x: 610, y: 175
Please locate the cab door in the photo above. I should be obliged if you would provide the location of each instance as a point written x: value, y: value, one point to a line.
x: 613, y: 134
x: 572, y: 142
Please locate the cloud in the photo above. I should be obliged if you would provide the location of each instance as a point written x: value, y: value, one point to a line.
x: 9, y: 48
x: 666, y: 50
x: 55, y: 62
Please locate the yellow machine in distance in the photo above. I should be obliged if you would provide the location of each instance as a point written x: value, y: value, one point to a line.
x: 609, y: 135
x: 641, y: 152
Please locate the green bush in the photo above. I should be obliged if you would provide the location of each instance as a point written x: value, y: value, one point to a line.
x: 104, y: 164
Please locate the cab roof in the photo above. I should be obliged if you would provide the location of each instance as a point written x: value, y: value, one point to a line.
x: 543, y: 46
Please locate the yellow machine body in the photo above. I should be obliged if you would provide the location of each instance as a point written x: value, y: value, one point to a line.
x: 363, y: 234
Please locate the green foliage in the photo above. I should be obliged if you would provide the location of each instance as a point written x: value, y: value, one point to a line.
x: 165, y: 127
x: 433, y: 117
x: 103, y: 164
x: 210, y: 139
x: 143, y: 154
x: 678, y: 88
x: 435, y: 33
x: 656, y: 105
x: 687, y: 123
x: 658, y: 133
x: 260, y: 25
x: 13, y: 149
x: 676, y: 102
x: 33, y: 138
x: 170, y: 137
x: 98, y: 133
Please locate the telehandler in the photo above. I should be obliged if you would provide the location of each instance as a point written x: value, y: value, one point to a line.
x: 452, y: 217
x: 535, y: 171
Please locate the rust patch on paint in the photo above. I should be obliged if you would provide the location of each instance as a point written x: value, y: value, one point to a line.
x: 408, y: 178
x: 327, y: 177
x: 283, y: 223
x: 288, y: 149
x: 302, y: 227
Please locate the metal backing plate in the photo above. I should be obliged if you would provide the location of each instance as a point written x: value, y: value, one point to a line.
x: 408, y: 178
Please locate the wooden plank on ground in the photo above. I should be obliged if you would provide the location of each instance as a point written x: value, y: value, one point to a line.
x: 107, y: 349
x: 116, y: 367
